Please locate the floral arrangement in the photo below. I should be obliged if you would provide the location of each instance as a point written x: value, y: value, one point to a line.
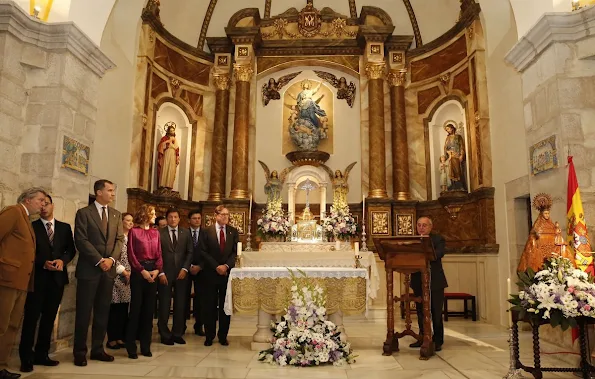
x: 339, y: 224
x: 304, y: 337
x: 273, y: 223
x: 559, y: 293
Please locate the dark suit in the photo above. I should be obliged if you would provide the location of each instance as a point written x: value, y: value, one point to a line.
x: 48, y: 289
x: 198, y: 284
x: 94, y: 287
x: 215, y: 285
x: 437, y: 285
x: 175, y: 258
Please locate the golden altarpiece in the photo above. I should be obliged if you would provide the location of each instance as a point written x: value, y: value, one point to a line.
x: 416, y: 158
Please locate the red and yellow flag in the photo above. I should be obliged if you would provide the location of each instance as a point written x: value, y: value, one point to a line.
x: 578, y: 238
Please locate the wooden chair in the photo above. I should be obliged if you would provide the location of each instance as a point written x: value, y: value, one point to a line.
x: 466, y: 311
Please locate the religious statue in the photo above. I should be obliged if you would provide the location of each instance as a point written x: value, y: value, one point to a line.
x: 455, y: 156
x: 270, y: 90
x: 168, y: 156
x: 344, y: 91
x: 306, y: 124
x: 274, y: 185
x: 545, y: 238
x: 444, y: 181
x: 340, y: 186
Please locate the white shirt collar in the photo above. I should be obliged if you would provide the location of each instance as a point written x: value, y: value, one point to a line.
x: 195, y: 230
x: 100, y: 208
x: 46, y: 222
x: 26, y: 210
x: 219, y: 227
x: 170, y: 228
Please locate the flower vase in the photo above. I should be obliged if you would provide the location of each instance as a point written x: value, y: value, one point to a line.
x: 274, y: 238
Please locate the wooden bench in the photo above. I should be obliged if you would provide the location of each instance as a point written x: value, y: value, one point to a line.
x: 466, y: 311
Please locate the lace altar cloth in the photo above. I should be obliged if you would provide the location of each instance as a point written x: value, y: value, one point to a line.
x: 250, y: 289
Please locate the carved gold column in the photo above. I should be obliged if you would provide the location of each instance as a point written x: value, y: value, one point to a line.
x: 400, y: 151
x: 219, y: 152
x: 377, y: 159
x: 239, y: 159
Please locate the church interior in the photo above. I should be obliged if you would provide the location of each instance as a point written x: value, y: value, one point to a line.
x: 295, y: 113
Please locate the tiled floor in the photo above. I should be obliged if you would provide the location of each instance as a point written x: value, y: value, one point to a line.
x: 472, y: 350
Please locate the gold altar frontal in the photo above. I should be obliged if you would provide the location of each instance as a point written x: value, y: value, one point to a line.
x: 273, y: 295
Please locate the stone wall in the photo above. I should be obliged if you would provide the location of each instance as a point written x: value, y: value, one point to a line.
x: 555, y: 59
x: 49, y: 79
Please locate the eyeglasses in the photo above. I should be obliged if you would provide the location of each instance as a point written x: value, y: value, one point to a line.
x: 224, y: 214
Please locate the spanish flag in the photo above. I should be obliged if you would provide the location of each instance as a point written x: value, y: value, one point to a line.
x: 578, y: 238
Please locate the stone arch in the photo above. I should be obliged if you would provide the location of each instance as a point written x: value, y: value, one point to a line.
x: 298, y: 175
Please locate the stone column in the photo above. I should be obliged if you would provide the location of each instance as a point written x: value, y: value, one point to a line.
x: 377, y: 159
x: 400, y: 151
x: 219, y: 152
x: 239, y: 160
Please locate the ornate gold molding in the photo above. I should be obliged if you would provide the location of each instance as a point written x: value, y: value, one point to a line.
x: 397, y: 78
x: 242, y: 72
x: 375, y: 70
x: 222, y: 81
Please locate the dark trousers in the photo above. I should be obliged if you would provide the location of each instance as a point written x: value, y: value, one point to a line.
x: 93, y: 296
x: 213, y: 297
x: 436, y: 304
x: 176, y: 289
x: 118, y: 318
x: 41, y: 305
x: 140, y: 319
x: 196, y: 281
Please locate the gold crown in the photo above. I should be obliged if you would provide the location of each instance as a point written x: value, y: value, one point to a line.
x: 542, y: 202
x: 168, y: 125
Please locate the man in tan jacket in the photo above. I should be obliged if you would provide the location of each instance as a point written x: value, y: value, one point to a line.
x: 17, y: 256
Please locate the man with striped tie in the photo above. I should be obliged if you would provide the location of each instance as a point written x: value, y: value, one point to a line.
x: 54, y: 249
x: 194, y: 219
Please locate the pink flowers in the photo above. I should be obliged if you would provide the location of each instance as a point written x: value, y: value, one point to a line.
x: 571, y: 289
x: 587, y: 307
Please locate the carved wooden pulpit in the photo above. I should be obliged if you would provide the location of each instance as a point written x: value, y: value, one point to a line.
x: 407, y: 255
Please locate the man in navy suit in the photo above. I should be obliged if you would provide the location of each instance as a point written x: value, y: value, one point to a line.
x: 54, y: 249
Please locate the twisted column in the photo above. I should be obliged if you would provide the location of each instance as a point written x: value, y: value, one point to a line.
x: 219, y: 151
x: 377, y: 159
x: 239, y: 158
x: 400, y: 150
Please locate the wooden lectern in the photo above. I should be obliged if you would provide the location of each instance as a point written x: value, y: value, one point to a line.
x: 407, y: 255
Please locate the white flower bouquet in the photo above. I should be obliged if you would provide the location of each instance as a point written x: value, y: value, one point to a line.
x: 340, y: 224
x: 559, y: 293
x: 273, y: 223
x: 304, y: 337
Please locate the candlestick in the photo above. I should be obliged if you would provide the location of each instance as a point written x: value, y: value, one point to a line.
x: 250, y: 211
x: 364, y: 208
x: 248, y: 238
x: 508, y: 292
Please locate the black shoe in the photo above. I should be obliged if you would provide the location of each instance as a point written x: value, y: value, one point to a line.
x: 416, y: 344
x: 80, y: 361
x: 132, y: 355
x: 45, y: 361
x: 167, y: 341
x: 5, y: 374
x: 199, y: 332
x: 438, y: 347
x: 179, y: 340
x: 208, y: 342
x: 103, y: 357
x: 113, y: 345
x: 224, y: 342
x: 147, y: 354
x: 25, y: 367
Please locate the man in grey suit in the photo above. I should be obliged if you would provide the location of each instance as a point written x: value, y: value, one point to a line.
x: 98, y: 237
x: 176, y: 249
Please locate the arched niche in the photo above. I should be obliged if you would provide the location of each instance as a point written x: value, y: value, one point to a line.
x: 450, y: 111
x: 170, y: 112
x: 294, y: 181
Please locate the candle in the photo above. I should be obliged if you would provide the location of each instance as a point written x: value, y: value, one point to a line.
x: 337, y: 245
x: 364, y: 208
x: 250, y: 212
x: 239, y: 248
x: 356, y: 247
x: 508, y: 292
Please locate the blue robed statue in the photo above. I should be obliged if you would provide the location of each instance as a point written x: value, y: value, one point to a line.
x: 308, y: 121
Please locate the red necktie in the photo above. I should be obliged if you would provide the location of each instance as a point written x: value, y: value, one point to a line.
x: 221, y: 240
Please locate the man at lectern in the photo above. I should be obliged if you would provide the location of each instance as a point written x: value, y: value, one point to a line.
x: 437, y: 285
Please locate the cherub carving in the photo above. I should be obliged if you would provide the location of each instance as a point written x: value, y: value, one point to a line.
x: 274, y: 184
x: 340, y: 185
x: 344, y: 91
x: 270, y: 90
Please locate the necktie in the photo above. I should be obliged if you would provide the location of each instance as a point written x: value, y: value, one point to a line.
x: 194, y: 238
x: 221, y: 240
x: 50, y: 232
x: 104, y: 220
x: 174, y: 239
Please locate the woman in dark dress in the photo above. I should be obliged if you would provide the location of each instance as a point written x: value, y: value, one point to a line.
x: 144, y: 255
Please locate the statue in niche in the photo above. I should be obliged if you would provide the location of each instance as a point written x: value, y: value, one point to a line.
x: 306, y: 126
x: 168, y: 156
x: 340, y: 186
x: 545, y: 238
x: 455, y: 158
x: 344, y: 91
x: 444, y: 181
x: 274, y: 185
x: 270, y: 90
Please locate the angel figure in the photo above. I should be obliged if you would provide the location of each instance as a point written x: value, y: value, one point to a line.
x: 344, y: 90
x: 274, y: 184
x: 270, y: 90
x: 340, y: 185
